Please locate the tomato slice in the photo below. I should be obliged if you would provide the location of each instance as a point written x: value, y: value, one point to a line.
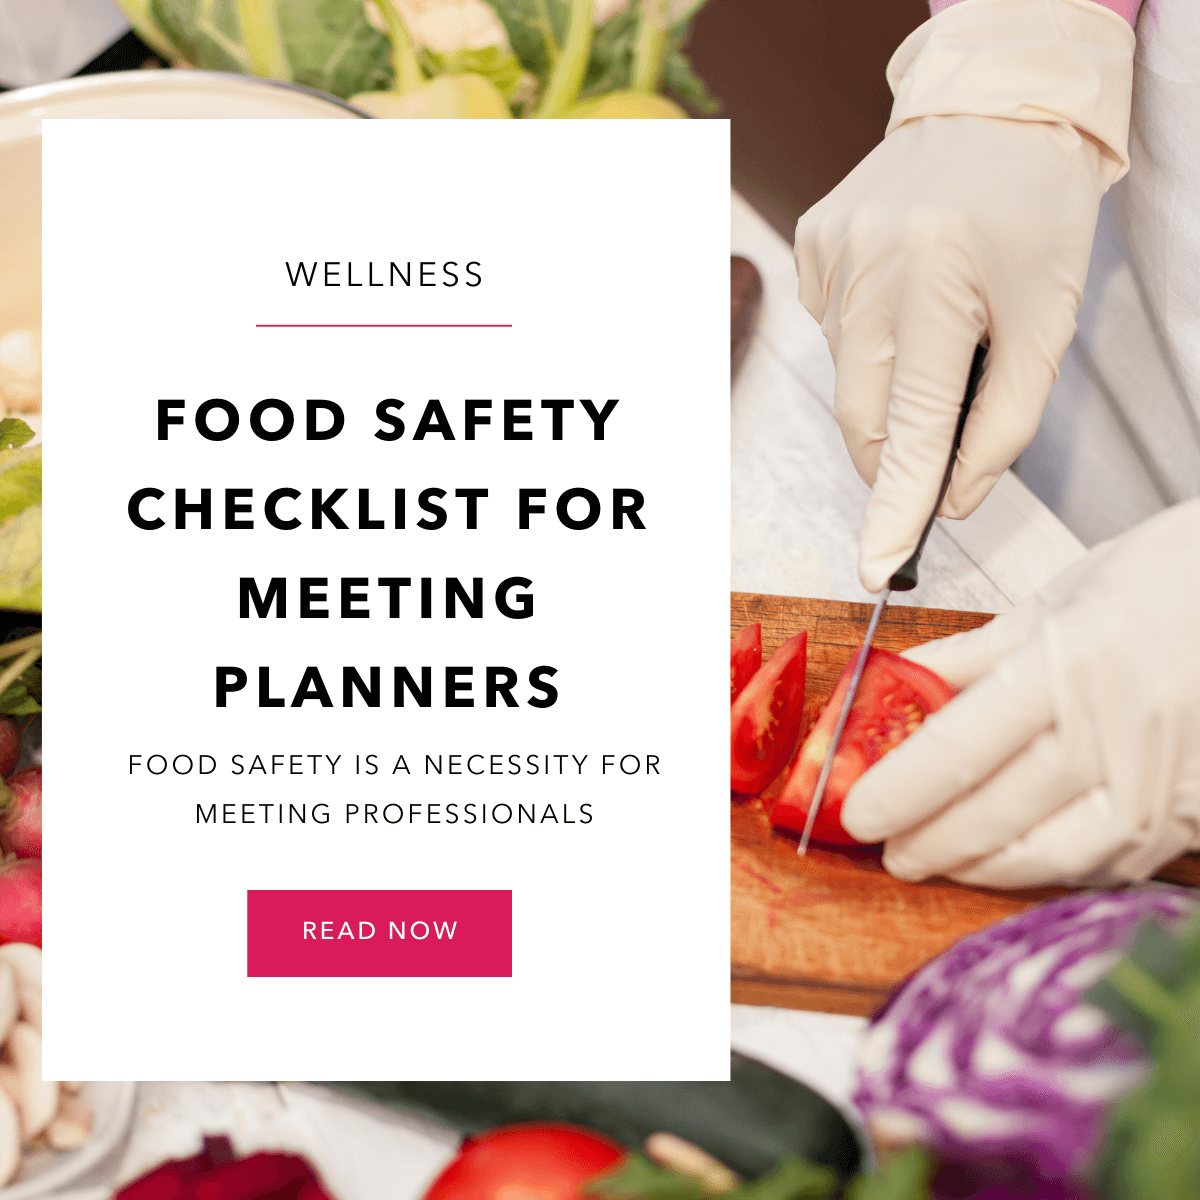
x: 526, y: 1162
x: 765, y: 719
x: 745, y: 657
x: 894, y: 697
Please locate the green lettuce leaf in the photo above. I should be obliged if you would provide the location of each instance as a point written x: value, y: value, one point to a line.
x: 905, y: 1177
x: 327, y: 44
x: 535, y: 29
x: 13, y: 433
x: 611, y: 65
x: 332, y: 46
x: 207, y: 32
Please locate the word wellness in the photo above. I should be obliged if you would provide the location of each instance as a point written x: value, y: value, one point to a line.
x: 329, y: 274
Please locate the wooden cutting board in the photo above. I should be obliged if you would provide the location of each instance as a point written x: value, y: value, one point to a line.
x: 833, y: 931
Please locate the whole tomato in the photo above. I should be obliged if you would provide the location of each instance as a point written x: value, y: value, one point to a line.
x: 526, y: 1162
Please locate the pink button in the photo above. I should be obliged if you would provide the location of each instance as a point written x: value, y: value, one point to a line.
x: 346, y: 934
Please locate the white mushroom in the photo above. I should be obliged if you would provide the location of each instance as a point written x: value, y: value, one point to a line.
x: 38, y: 1097
x: 72, y: 1127
x: 10, y: 1138
x: 10, y: 1002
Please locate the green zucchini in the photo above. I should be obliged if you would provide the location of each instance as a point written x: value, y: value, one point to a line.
x: 749, y: 1123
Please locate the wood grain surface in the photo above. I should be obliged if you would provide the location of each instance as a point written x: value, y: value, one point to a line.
x: 833, y: 931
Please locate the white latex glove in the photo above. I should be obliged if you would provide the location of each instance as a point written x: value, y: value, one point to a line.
x: 973, y: 218
x: 1073, y: 756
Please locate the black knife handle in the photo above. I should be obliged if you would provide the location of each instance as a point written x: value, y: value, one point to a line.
x: 905, y: 579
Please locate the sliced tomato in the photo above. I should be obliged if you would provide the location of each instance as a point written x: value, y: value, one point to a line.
x: 745, y: 657
x: 765, y: 719
x: 894, y: 697
x: 526, y: 1162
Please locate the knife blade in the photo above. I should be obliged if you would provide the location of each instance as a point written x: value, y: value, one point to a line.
x: 903, y: 580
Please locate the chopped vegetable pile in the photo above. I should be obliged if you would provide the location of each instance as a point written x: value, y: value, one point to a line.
x: 767, y: 716
x: 894, y: 697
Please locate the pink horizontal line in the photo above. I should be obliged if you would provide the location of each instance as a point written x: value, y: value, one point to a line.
x: 382, y: 326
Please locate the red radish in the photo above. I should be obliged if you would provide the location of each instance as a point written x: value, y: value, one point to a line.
x: 21, y: 900
x: 10, y: 745
x: 21, y: 829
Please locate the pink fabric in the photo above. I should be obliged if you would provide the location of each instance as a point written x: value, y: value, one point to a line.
x: 1123, y: 8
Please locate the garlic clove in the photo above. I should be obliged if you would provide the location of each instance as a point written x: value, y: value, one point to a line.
x: 38, y: 1098
x: 72, y: 1126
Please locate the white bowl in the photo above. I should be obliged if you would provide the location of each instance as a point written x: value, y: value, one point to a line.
x: 164, y: 94
x: 46, y: 1171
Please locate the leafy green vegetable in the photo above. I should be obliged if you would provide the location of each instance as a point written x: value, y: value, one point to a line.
x: 20, y: 678
x: 614, y: 49
x: 500, y: 67
x: 905, y: 1177
x: 637, y: 1178
x: 679, y: 79
x: 792, y: 1179
x: 611, y: 65
x: 331, y: 45
x: 536, y: 29
x: 13, y: 433
x: 21, y: 696
x: 326, y: 44
x: 1152, y: 1150
x: 206, y: 32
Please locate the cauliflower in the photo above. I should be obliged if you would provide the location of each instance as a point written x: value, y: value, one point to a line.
x: 445, y: 26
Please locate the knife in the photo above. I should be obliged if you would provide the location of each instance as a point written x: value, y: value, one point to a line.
x: 904, y: 580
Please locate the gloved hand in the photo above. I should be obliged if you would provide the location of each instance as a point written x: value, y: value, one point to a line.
x: 1073, y: 756
x: 974, y: 217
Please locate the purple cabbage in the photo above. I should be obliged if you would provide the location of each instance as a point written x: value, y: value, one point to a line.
x: 990, y: 1056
